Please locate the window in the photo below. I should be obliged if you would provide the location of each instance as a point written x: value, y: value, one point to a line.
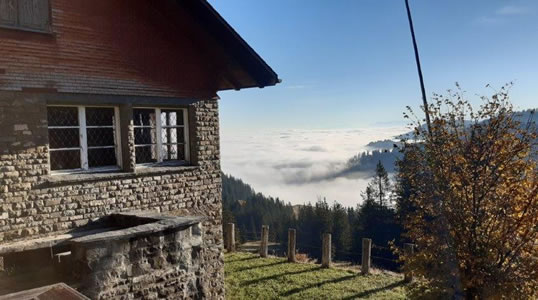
x: 83, y: 138
x: 160, y: 135
x: 31, y: 15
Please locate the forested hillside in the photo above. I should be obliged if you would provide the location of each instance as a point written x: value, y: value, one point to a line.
x: 375, y: 218
x: 250, y: 210
x: 367, y: 161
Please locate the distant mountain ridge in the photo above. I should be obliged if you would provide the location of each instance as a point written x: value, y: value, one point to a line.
x: 386, y: 151
x: 383, y: 144
x: 524, y: 117
x: 366, y: 162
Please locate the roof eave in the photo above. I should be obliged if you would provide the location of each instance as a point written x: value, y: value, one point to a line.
x: 234, y: 44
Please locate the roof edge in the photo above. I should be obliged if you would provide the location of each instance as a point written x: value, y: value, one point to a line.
x: 237, y: 47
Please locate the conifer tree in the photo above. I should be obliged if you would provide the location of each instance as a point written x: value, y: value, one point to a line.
x: 380, y: 186
x: 341, y: 233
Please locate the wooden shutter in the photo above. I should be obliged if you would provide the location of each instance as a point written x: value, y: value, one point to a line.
x: 8, y: 12
x: 34, y: 14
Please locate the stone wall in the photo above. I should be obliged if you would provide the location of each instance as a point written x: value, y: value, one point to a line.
x: 34, y: 203
x: 160, y: 265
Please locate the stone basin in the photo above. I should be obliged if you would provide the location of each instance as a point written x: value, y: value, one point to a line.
x: 135, y: 224
x: 148, y: 255
x: 139, y: 254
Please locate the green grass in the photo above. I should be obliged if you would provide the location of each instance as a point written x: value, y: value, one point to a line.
x: 250, y: 277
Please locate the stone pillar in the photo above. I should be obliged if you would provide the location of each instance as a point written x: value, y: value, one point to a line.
x: 128, y: 156
x: 230, y: 237
x: 408, y: 251
x: 193, y: 136
x: 366, y: 253
x: 326, y: 251
x: 291, y: 245
x: 264, y: 241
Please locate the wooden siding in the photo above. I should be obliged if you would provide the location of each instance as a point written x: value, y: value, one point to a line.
x: 120, y: 47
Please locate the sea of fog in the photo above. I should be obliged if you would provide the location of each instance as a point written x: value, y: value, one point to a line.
x: 288, y: 163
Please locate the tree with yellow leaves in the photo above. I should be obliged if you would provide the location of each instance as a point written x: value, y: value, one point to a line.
x: 470, y: 204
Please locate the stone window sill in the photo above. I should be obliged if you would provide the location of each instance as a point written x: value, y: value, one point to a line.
x: 68, y: 179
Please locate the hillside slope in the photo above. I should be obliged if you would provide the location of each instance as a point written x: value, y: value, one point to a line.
x: 250, y: 210
x: 249, y: 277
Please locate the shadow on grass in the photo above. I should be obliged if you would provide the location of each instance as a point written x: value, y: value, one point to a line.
x: 258, y: 266
x: 317, y: 284
x: 376, y: 290
x: 242, y: 259
x: 256, y: 281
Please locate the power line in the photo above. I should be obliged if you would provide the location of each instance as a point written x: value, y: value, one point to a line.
x: 419, y: 68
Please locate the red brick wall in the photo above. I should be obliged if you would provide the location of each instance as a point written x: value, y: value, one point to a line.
x: 128, y: 47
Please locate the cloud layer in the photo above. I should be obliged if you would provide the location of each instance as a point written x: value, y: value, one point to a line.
x: 503, y: 14
x: 512, y: 10
x: 293, y: 164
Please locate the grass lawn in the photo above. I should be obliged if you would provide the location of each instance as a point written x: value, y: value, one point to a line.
x: 250, y: 277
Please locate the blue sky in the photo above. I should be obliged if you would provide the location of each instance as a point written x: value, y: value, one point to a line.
x: 349, y: 63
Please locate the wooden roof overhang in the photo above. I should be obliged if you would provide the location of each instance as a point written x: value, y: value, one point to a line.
x: 259, y: 73
x: 237, y: 65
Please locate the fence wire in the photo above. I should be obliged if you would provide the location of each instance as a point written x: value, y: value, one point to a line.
x: 255, y: 236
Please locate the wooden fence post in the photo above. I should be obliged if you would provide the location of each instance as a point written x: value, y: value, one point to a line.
x: 408, y: 251
x: 326, y: 251
x: 366, y: 253
x: 291, y: 245
x: 264, y: 241
x: 230, y: 237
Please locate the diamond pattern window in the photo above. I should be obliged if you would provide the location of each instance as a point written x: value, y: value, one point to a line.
x: 145, y: 131
x: 161, y: 135
x: 82, y: 138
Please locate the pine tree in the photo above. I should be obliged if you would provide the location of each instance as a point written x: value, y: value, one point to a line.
x: 375, y: 219
x: 380, y: 186
x: 403, y: 188
x: 341, y: 233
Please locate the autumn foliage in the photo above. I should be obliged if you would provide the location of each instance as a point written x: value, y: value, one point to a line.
x: 471, y: 200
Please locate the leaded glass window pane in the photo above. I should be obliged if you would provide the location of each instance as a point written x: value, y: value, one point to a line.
x: 81, y: 146
x: 65, y: 160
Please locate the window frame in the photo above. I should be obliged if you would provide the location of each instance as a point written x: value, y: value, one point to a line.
x: 83, y: 138
x: 17, y: 26
x: 158, y: 134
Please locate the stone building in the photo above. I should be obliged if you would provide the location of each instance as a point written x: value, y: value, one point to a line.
x: 109, y: 145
